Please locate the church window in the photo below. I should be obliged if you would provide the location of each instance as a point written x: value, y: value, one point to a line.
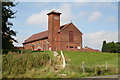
x: 71, y: 47
x: 71, y: 36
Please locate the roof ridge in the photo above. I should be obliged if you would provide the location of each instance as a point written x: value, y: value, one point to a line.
x: 41, y: 32
x: 37, y: 36
x: 66, y: 24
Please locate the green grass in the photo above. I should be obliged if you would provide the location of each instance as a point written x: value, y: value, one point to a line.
x: 18, y: 65
x: 91, y: 60
x: 36, y: 64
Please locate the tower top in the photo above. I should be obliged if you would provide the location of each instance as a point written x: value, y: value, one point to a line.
x: 54, y: 12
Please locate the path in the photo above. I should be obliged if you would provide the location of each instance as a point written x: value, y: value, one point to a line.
x: 64, y: 64
x: 63, y: 58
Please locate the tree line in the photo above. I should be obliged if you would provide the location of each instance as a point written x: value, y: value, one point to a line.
x: 111, y: 47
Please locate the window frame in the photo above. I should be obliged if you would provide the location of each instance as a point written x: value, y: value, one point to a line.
x: 71, y: 36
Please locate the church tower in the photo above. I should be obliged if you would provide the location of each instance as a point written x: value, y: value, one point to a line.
x: 53, y: 28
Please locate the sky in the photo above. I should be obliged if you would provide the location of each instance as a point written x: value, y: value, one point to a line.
x: 98, y: 21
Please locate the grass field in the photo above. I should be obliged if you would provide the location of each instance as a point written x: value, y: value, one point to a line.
x: 92, y: 59
x: 93, y: 62
x: 41, y: 64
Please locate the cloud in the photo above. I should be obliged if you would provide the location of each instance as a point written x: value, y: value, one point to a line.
x: 67, y: 15
x: 38, y: 18
x: 111, y: 19
x: 105, y: 5
x: 95, y: 40
x: 82, y: 13
x: 95, y: 16
x: 41, y: 18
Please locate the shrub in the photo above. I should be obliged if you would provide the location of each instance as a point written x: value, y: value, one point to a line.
x: 26, y: 51
x: 97, y: 71
x: 6, y: 51
x: 14, y: 65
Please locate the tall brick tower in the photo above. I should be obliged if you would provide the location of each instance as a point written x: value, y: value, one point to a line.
x: 53, y: 28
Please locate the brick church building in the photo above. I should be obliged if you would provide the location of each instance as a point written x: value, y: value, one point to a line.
x: 65, y: 37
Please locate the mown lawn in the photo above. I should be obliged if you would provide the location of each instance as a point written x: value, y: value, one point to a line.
x: 92, y: 59
x: 93, y: 62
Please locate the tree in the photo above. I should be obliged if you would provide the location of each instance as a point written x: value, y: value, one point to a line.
x: 104, y: 46
x: 111, y: 47
x: 117, y: 47
x: 7, y: 32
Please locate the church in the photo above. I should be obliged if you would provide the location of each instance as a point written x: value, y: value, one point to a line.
x: 65, y: 37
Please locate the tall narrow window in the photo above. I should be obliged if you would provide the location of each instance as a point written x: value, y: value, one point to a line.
x: 71, y: 36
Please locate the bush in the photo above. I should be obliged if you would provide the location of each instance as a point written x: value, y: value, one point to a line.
x: 6, y: 51
x: 26, y: 51
x: 97, y: 71
x: 14, y: 65
x: 111, y: 47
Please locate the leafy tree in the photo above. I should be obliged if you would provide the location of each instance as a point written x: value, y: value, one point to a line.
x: 7, y: 32
x: 117, y: 45
x: 111, y: 47
x: 104, y: 46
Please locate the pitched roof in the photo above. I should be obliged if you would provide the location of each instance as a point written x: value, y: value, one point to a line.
x: 54, y: 12
x: 37, y: 36
x: 63, y: 26
x: 43, y: 34
x: 66, y: 25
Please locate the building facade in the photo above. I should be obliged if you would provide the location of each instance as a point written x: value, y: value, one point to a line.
x: 65, y: 37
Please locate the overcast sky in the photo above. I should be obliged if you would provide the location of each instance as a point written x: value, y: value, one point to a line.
x: 97, y: 21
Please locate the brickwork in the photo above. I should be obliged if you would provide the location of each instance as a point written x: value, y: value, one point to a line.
x: 58, y: 37
x: 37, y: 45
x: 64, y: 39
x: 53, y: 28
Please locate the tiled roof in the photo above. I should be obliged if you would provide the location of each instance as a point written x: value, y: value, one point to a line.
x: 43, y: 35
x: 66, y: 25
x: 37, y: 36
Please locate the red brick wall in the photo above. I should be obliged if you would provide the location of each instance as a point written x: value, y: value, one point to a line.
x: 64, y: 38
x: 37, y: 44
x: 58, y: 41
x: 53, y: 28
